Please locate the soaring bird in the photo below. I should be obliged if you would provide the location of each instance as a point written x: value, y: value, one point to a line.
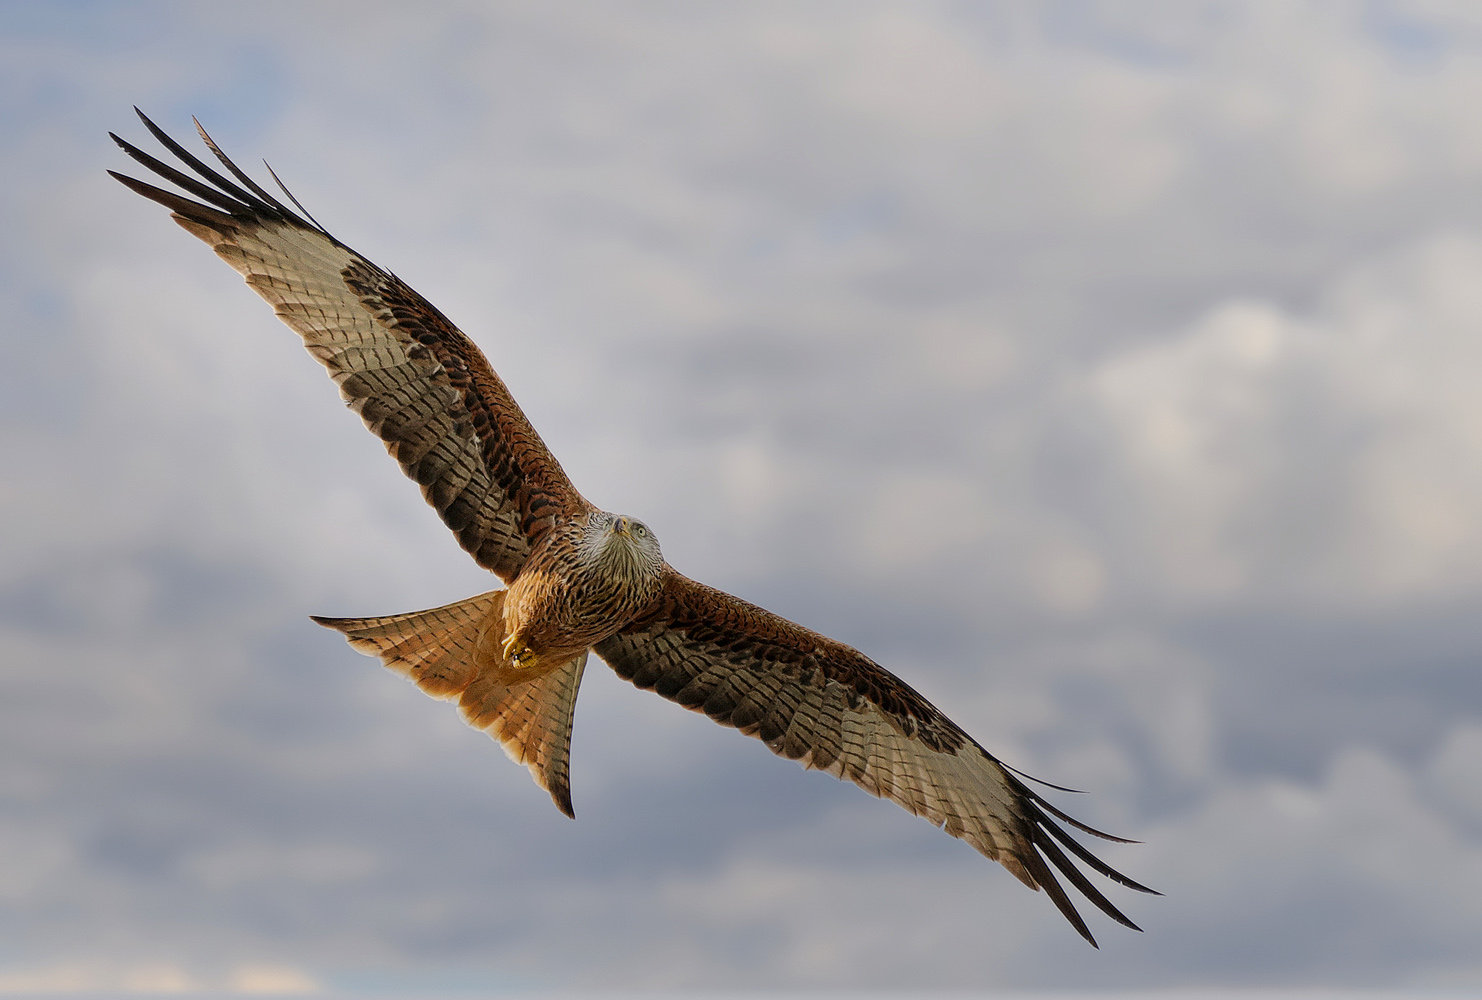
x: 579, y: 579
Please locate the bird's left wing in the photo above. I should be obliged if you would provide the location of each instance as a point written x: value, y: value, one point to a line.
x: 831, y: 708
x: 415, y: 378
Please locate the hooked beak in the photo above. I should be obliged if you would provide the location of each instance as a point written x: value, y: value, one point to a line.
x: 622, y: 525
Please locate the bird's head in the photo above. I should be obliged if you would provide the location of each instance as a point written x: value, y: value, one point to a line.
x: 625, y: 545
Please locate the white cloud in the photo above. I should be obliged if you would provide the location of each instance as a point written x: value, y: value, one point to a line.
x: 153, y: 978
x: 1333, y: 457
x: 1373, y: 868
x: 1170, y: 309
x: 1454, y: 774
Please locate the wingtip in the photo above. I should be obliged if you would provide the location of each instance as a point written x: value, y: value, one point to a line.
x: 205, y: 136
x: 298, y: 204
x: 148, y: 123
x: 1037, y: 781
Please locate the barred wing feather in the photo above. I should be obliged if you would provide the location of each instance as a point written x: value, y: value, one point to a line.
x: 831, y: 708
x: 417, y: 381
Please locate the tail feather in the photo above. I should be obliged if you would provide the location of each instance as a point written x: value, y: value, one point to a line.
x: 453, y: 652
x: 436, y: 649
x: 532, y: 721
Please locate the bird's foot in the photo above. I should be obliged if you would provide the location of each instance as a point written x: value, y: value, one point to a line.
x: 518, y: 654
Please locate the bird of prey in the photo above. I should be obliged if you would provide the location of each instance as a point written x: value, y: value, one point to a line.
x: 579, y: 579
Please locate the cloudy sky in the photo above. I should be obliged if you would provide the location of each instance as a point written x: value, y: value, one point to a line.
x: 1172, y: 310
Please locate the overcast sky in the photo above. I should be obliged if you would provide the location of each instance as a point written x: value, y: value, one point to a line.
x: 1169, y: 313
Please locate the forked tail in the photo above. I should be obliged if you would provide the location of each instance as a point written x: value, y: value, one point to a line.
x: 453, y: 652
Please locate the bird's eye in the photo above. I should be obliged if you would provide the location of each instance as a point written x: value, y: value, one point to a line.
x: 640, y: 531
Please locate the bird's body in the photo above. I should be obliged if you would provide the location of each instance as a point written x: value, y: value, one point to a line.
x: 580, y: 579
x: 585, y: 580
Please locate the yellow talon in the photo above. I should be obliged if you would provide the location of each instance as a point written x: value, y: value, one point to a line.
x: 517, y: 653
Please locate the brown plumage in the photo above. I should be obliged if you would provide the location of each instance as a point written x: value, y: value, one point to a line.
x: 580, y: 578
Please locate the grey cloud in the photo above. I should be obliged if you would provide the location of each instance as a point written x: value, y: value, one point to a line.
x: 1170, y: 308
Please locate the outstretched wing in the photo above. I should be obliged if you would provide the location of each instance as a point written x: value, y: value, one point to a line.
x: 831, y: 708
x: 416, y: 380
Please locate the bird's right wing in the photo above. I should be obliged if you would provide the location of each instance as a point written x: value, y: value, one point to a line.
x: 831, y: 708
x: 416, y: 379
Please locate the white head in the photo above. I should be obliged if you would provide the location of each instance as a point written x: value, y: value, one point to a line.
x: 623, y: 545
